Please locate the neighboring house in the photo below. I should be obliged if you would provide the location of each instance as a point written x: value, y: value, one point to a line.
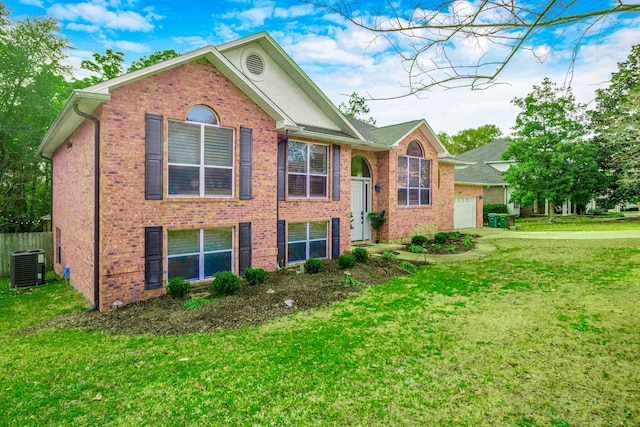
x: 485, y: 170
x: 226, y: 158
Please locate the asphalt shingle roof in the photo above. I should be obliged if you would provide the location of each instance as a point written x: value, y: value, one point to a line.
x: 384, y: 136
x: 481, y: 172
x: 490, y: 152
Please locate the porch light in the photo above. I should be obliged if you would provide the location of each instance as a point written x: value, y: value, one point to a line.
x: 377, y: 187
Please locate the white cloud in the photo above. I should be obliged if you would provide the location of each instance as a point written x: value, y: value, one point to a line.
x: 293, y: 11
x: 82, y: 27
x: 32, y: 3
x: 127, y: 45
x: 193, y: 42
x: 96, y: 13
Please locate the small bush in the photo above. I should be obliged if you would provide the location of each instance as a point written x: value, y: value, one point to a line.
x: 194, y: 303
x: 418, y: 241
x: 407, y: 266
x: 416, y: 249
x: 225, y: 283
x: 256, y: 276
x: 451, y: 249
x: 177, y: 287
x: 346, y: 261
x: 436, y: 246
x: 313, y: 266
x: 350, y: 281
x: 361, y: 254
x: 441, y: 238
x: 388, y: 255
x: 493, y: 208
x: 468, y: 241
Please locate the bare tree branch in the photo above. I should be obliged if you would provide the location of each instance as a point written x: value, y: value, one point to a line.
x: 426, y: 39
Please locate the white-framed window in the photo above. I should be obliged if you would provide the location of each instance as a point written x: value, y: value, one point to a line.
x: 414, y: 177
x: 307, y: 240
x: 308, y: 174
x: 199, y: 254
x: 201, y: 156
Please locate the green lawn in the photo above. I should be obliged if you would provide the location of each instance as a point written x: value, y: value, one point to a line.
x: 540, y: 333
x: 575, y: 223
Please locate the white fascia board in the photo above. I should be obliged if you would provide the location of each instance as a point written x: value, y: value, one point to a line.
x: 364, y: 145
x: 313, y: 91
x: 454, y: 161
x: 440, y: 148
x: 67, y: 120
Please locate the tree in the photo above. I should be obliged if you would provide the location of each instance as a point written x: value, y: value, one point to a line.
x: 356, y: 108
x: 107, y: 66
x: 31, y: 71
x: 615, y: 121
x: 552, y: 158
x: 153, y: 59
x: 428, y: 38
x: 469, y: 139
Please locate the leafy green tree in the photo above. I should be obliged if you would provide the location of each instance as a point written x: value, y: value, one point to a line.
x: 31, y: 71
x: 356, y: 107
x: 617, y: 133
x: 106, y: 66
x: 469, y: 139
x: 552, y: 158
x: 153, y: 59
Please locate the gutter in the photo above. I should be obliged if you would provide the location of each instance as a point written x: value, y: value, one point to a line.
x: 96, y: 208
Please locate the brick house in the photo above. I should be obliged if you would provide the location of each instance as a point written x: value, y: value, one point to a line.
x: 226, y: 158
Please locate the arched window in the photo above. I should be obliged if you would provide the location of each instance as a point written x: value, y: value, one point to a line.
x: 201, y: 156
x: 414, y: 177
x: 414, y: 149
x: 202, y: 114
x: 360, y: 167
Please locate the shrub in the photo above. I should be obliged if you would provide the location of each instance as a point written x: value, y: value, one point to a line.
x: 495, y: 208
x: 468, y: 240
x: 416, y: 249
x: 361, y: 254
x: 441, y: 238
x: 388, y: 255
x: 451, y: 249
x: 418, y: 241
x: 350, y: 281
x: 194, y: 303
x: 256, y: 276
x: 407, y: 266
x: 225, y: 283
x: 346, y: 261
x: 177, y: 287
x: 313, y: 266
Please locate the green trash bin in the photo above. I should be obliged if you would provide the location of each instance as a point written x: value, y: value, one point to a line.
x: 493, y: 220
x: 503, y: 221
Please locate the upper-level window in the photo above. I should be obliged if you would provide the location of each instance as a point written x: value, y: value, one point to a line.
x: 201, y: 156
x: 202, y: 114
x: 308, y: 173
x: 414, y: 177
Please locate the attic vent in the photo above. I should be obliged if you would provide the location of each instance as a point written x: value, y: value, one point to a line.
x: 255, y: 64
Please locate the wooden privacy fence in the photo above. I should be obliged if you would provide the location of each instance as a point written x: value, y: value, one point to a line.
x: 23, y: 242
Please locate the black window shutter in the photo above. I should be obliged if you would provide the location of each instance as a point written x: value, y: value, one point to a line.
x: 282, y: 169
x: 281, y: 242
x: 335, y: 237
x: 154, y: 130
x: 152, y: 257
x: 244, y: 257
x: 335, y: 188
x: 246, y: 148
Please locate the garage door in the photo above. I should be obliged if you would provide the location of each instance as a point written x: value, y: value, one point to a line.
x: 464, y: 212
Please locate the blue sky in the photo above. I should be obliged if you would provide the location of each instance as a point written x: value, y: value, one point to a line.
x: 338, y: 56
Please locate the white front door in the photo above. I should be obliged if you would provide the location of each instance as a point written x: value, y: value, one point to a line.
x: 360, y: 208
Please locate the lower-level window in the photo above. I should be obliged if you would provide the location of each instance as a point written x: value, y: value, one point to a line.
x: 199, y: 254
x: 306, y: 240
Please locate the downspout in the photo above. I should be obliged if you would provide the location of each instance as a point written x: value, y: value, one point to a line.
x: 96, y: 208
x: 284, y: 139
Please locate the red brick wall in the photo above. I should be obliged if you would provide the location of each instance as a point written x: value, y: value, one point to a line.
x: 125, y: 212
x: 471, y: 191
x: 73, y: 206
x: 406, y: 221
